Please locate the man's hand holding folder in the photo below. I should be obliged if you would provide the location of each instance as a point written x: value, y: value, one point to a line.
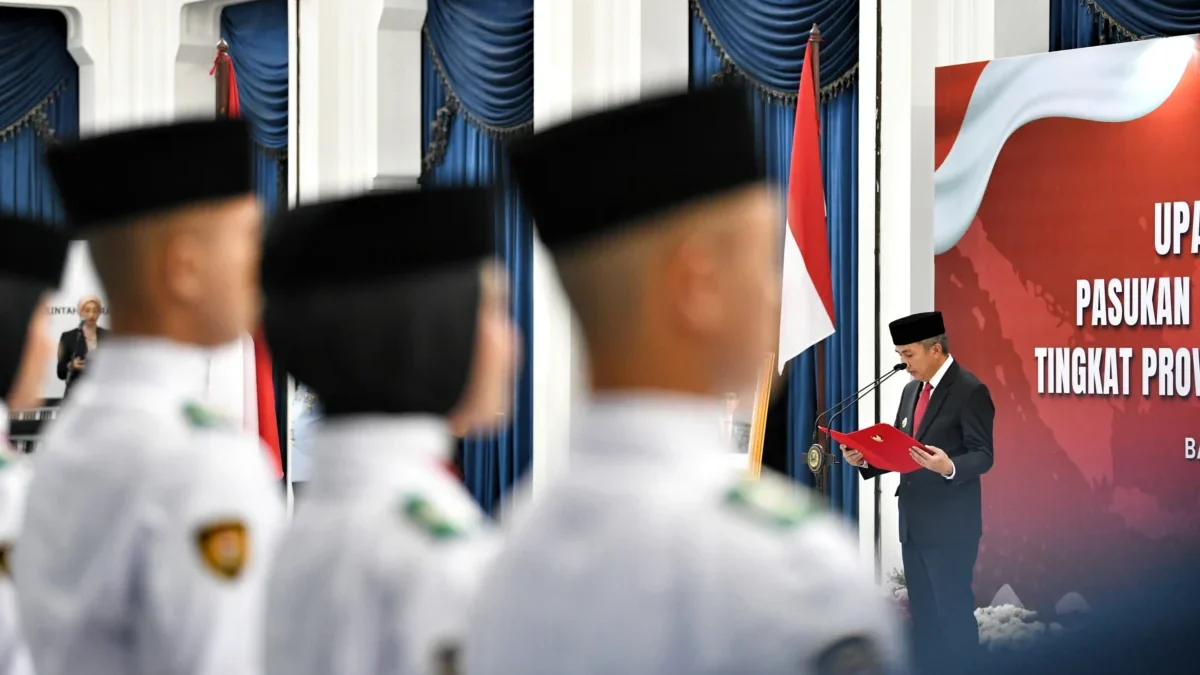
x: 883, y: 446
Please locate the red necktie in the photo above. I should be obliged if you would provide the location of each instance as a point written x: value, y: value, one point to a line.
x: 922, y: 404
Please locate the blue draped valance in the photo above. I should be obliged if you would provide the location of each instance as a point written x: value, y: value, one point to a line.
x: 481, y: 51
x: 257, y: 33
x: 1087, y: 23
x: 1123, y: 20
x: 756, y: 40
x: 39, y: 103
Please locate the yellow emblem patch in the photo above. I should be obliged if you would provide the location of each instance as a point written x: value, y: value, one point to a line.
x: 224, y: 547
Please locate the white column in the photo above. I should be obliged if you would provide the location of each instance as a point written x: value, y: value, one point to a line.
x: 359, y: 95
x: 588, y: 54
x: 981, y: 30
x: 917, y: 36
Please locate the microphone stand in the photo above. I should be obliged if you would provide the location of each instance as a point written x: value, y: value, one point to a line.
x: 817, y: 454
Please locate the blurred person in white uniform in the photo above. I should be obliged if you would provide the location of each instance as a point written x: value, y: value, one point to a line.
x: 32, y: 257
x: 151, y: 521
x: 650, y: 556
x: 391, y: 309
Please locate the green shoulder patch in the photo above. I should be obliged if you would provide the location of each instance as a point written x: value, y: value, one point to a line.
x: 201, y: 417
x: 433, y: 521
x: 772, y: 501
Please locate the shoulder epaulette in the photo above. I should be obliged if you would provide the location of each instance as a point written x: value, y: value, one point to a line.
x: 772, y: 501
x: 427, y: 517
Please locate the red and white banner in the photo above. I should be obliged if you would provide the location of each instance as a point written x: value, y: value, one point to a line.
x: 806, y: 315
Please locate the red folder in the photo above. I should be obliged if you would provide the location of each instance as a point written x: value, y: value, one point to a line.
x: 883, y: 446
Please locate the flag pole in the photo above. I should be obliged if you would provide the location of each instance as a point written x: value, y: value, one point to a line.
x: 813, y: 51
x: 758, y: 422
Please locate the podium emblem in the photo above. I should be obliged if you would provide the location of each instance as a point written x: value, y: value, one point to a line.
x: 815, y: 458
x: 877, y: 439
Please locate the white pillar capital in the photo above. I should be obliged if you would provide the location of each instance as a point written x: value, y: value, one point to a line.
x: 982, y: 30
x: 359, y: 99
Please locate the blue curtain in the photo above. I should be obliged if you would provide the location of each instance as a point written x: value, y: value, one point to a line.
x: 1087, y: 23
x: 763, y: 42
x: 39, y: 104
x: 476, y: 95
x: 257, y: 33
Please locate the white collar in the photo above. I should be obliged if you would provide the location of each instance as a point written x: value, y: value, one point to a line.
x: 359, y: 450
x: 3, y: 422
x: 937, y: 377
x: 651, y: 424
x: 154, y: 362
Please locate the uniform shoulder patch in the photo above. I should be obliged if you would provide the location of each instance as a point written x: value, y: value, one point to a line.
x: 202, y: 417
x: 224, y: 547
x: 424, y: 514
x: 773, y: 501
x: 850, y: 656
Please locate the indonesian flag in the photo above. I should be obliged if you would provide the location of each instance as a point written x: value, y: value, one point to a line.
x: 259, y: 401
x: 807, y: 299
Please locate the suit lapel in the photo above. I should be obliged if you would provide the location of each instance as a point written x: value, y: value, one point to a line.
x: 938, y: 398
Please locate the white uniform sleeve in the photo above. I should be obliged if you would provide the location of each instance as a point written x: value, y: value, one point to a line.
x: 434, y: 620
x: 208, y: 557
x: 14, y: 488
x: 855, y: 629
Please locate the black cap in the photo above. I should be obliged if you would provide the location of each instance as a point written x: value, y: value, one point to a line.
x: 113, y: 178
x: 917, y: 327
x: 593, y: 175
x: 31, y: 251
x: 378, y: 236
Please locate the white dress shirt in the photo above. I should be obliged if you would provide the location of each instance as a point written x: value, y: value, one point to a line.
x: 933, y: 385
x: 15, y: 474
x: 364, y: 583
x: 646, y: 559
x: 131, y: 560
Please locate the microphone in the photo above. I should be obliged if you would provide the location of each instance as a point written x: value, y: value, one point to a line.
x: 842, y: 406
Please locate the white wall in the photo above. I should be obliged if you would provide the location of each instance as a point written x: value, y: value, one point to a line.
x: 588, y: 54
x: 962, y: 31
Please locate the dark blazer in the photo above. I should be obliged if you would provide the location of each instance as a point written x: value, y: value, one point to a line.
x: 958, y: 420
x: 71, y: 345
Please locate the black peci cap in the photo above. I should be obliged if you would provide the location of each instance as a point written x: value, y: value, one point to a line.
x: 377, y: 237
x: 916, y: 327
x: 116, y: 177
x: 590, y: 176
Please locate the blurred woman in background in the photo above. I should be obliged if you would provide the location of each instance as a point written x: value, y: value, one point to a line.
x: 75, y: 344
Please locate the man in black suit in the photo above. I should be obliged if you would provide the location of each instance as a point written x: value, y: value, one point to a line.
x: 950, y: 412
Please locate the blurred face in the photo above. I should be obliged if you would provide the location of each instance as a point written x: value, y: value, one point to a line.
x: 732, y: 303
x: 215, y: 268
x: 922, y: 362
x: 39, y: 348
x: 488, y: 396
x: 90, y: 313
